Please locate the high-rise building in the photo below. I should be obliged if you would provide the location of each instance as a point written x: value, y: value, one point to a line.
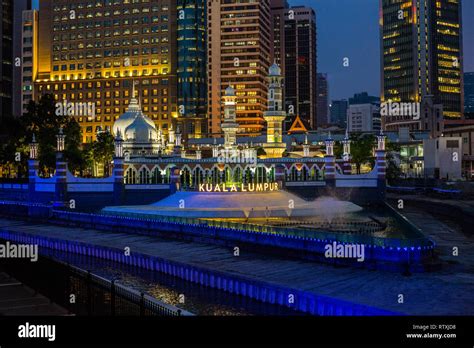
x: 422, y: 53
x: 239, y: 55
x: 294, y: 40
x: 338, y: 110
x: 29, y: 44
x: 93, y: 51
x: 192, y: 67
x: 278, y: 12
x: 469, y: 95
x: 6, y: 58
x: 323, y: 100
x: 11, y: 54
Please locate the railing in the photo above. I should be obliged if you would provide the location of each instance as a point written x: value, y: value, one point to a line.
x: 144, y: 304
x: 94, y: 295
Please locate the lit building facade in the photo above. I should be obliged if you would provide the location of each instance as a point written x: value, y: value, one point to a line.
x: 239, y: 54
x: 294, y: 39
x: 192, y: 67
x: 93, y: 51
x: 421, y: 43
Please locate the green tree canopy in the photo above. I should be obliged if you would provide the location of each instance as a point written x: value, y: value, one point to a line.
x: 362, y: 146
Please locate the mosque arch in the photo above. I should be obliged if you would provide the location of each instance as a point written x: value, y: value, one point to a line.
x: 131, y: 176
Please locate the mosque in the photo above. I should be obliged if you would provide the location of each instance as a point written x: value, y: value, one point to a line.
x: 262, y: 173
x: 151, y: 156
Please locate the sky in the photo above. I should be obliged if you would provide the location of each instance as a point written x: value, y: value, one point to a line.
x: 349, y: 28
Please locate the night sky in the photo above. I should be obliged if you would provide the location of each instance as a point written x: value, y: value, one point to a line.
x: 350, y: 28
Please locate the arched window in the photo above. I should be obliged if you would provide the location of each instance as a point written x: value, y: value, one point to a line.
x: 294, y: 174
x: 131, y: 176
x: 237, y: 175
x: 145, y: 178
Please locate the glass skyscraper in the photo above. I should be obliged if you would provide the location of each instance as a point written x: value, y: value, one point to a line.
x: 422, y: 52
x: 191, y: 66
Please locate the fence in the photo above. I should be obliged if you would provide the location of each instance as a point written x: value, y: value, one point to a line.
x: 93, y: 295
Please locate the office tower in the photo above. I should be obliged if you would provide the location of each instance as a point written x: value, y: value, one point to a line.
x: 422, y: 53
x: 279, y: 9
x: 363, y: 118
x: 6, y: 58
x: 294, y: 39
x: 239, y: 55
x: 92, y: 52
x: 29, y: 43
x: 192, y: 67
x: 10, y: 53
x: 338, y: 111
x: 364, y: 98
x: 323, y: 100
x: 469, y: 95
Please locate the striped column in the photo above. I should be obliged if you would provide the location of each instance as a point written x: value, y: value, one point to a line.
x: 330, y: 170
x: 346, y: 166
x: 33, y: 166
x: 119, y: 180
x: 60, y: 194
x: 381, y: 168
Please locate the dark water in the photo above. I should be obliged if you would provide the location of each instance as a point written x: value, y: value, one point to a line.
x: 198, y: 299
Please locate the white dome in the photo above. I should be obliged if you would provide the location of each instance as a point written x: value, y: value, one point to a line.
x: 127, y: 118
x: 229, y: 91
x: 274, y: 70
x: 141, y: 131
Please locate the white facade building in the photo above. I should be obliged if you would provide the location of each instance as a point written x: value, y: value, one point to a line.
x: 363, y: 118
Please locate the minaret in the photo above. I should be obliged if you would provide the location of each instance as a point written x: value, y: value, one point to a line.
x: 275, y: 115
x: 381, y: 162
x: 330, y: 162
x: 346, y: 154
x: 230, y: 125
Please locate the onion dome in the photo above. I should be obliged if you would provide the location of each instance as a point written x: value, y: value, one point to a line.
x: 128, y: 117
x: 275, y: 70
x: 141, y: 131
x: 229, y: 91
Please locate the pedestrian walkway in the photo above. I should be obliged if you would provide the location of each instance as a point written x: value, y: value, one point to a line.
x: 18, y: 300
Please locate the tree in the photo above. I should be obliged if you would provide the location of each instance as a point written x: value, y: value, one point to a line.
x: 103, y: 150
x: 41, y: 119
x: 393, y: 168
x: 362, y: 146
